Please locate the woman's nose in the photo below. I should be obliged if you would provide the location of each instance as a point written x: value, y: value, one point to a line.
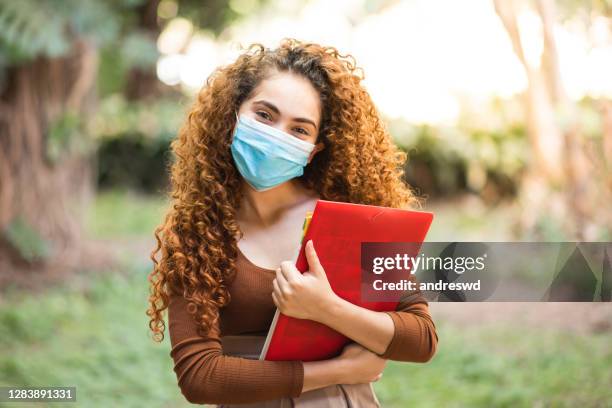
x: 282, y: 125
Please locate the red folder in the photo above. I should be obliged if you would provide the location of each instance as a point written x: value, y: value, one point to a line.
x: 337, y: 231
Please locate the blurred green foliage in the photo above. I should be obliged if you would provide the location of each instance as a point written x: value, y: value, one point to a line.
x: 124, y: 213
x: 125, y: 34
x: 67, y: 136
x: 30, y: 28
x: 133, y: 162
x: 134, y: 140
x: 26, y: 240
x: 486, y: 152
x: 152, y: 120
x: 449, y: 160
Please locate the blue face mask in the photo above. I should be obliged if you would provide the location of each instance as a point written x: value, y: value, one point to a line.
x: 266, y: 156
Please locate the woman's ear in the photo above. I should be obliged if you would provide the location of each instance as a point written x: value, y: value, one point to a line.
x: 318, y: 147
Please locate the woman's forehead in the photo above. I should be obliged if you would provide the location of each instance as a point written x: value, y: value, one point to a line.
x: 293, y: 95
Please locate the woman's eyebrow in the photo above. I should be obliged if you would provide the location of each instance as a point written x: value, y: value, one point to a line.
x: 273, y: 108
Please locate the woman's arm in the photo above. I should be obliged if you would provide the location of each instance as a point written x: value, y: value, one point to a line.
x: 406, y: 334
x: 355, y: 365
x: 373, y: 330
x: 207, y: 376
x: 319, y: 374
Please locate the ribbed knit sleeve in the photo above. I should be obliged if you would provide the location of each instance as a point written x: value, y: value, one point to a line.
x: 415, y: 338
x: 206, y: 376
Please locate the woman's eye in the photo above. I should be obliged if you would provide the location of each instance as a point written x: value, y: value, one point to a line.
x: 263, y: 115
x: 304, y: 132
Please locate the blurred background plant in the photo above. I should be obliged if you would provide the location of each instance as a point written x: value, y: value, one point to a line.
x: 504, y: 109
x: 93, y: 92
x: 80, y: 107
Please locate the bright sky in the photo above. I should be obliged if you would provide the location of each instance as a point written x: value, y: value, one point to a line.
x: 420, y: 57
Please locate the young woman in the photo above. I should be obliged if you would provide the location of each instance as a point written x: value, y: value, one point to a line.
x: 267, y: 136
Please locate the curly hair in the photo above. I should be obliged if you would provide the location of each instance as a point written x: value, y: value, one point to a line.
x: 198, y: 237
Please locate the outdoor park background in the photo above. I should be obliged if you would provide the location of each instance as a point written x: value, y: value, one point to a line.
x: 504, y: 107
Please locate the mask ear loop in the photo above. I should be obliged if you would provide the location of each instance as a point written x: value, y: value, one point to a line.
x: 237, y: 120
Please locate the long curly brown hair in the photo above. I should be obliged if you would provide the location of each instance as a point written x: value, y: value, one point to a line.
x: 198, y: 237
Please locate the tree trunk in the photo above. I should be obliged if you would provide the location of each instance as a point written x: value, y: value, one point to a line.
x: 561, y: 178
x: 143, y: 83
x: 577, y: 169
x: 545, y: 137
x: 45, y: 160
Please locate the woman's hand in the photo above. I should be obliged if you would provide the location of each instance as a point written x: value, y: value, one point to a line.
x: 304, y: 296
x: 360, y: 365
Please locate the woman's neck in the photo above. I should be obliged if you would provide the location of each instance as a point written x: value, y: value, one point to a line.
x: 266, y: 207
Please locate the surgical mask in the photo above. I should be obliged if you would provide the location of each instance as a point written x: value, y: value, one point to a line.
x: 266, y: 156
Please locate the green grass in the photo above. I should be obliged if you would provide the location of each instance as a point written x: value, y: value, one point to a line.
x: 118, y: 213
x: 93, y: 337
x: 505, y: 366
x: 469, y: 221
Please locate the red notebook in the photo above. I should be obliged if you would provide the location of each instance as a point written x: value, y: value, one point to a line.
x: 337, y: 231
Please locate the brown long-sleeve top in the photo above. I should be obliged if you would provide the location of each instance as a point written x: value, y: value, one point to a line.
x: 207, y: 376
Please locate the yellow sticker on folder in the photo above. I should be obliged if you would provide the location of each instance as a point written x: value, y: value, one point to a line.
x: 306, y: 223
